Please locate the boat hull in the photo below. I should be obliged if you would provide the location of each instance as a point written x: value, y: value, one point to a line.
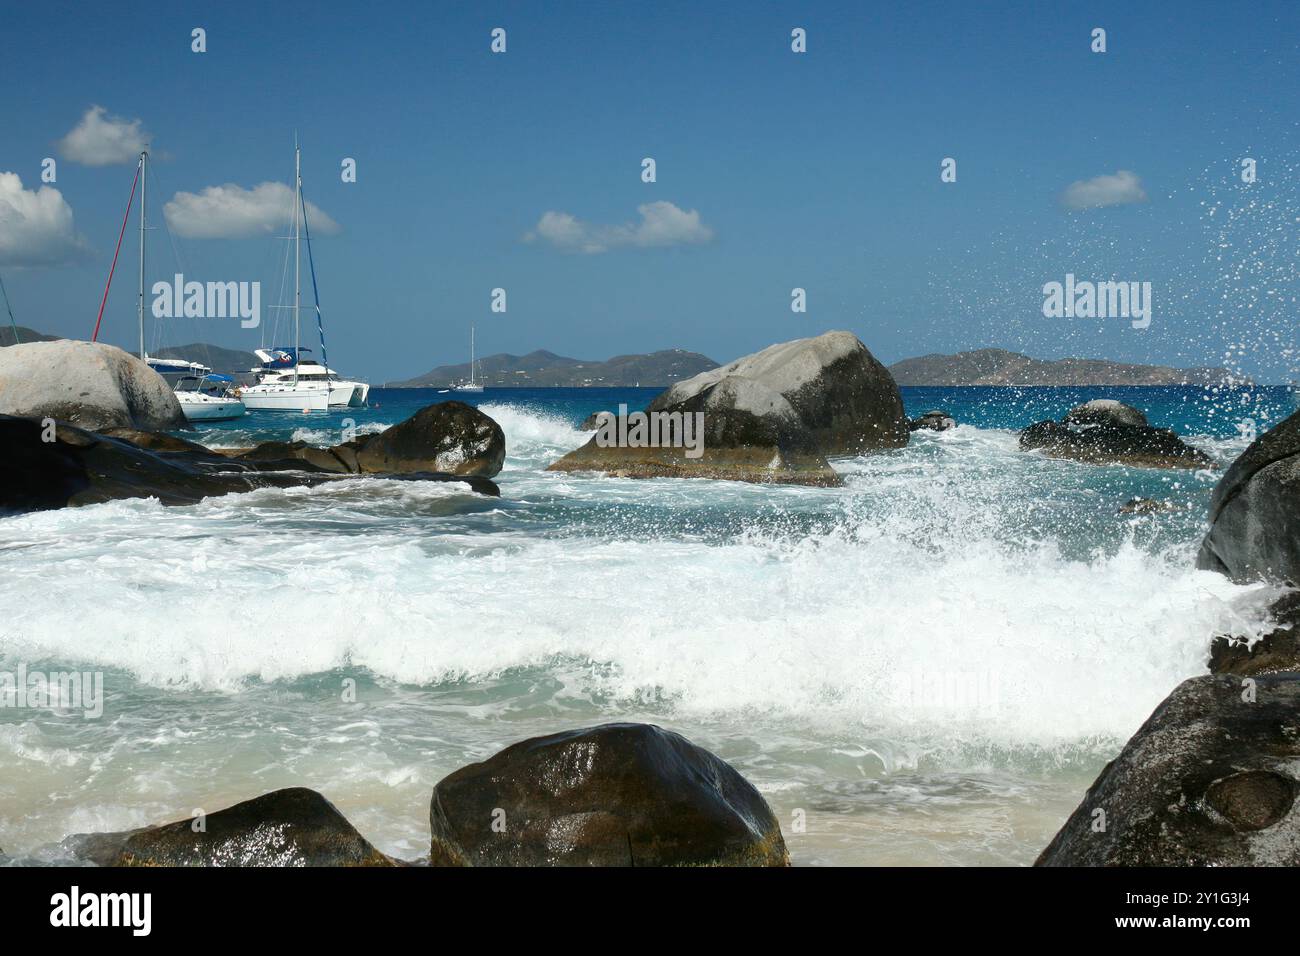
x: 286, y: 398
x: 208, y: 408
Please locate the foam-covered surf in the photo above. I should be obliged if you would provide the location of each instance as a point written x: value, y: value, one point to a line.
x: 961, y: 615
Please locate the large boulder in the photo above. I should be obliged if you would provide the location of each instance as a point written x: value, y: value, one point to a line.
x: 1106, y: 432
x: 296, y: 827
x: 449, y: 437
x: 613, y: 795
x: 44, y: 467
x: 1210, y: 779
x: 88, y: 384
x: 776, y: 415
x: 1255, y: 511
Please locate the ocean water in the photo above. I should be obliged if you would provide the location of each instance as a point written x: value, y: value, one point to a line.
x: 928, y: 666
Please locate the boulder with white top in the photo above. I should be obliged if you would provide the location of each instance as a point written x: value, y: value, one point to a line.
x: 774, y: 416
x: 87, y: 384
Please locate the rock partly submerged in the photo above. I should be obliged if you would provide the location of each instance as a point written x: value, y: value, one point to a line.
x: 613, y: 795
x: 934, y: 420
x: 449, y: 438
x: 58, y: 466
x: 87, y: 384
x: 1254, y: 536
x: 774, y: 416
x: 1255, y: 511
x: 1210, y: 779
x: 1109, y: 432
x: 295, y: 827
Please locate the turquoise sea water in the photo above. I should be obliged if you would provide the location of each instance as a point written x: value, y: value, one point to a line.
x: 928, y: 665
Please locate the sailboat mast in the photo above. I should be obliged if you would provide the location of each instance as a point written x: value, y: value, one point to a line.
x: 297, y: 261
x: 144, y: 154
x: 471, y: 354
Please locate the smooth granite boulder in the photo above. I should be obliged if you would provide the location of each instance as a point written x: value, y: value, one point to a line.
x: 1255, y: 511
x: 448, y: 437
x: 1210, y: 779
x: 296, y: 827
x: 774, y: 416
x: 1106, y: 411
x: 87, y: 384
x: 613, y: 795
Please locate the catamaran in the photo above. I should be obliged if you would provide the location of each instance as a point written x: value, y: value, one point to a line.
x: 472, y: 385
x: 286, y: 381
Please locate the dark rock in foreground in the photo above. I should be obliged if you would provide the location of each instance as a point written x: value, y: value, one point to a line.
x: 1210, y: 779
x: 934, y: 420
x: 448, y: 437
x: 87, y: 384
x: 774, y: 416
x: 613, y: 795
x: 1255, y: 511
x: 296, y: 827
x: 81, y: 468
x: 1104, y: 432
x: 1274, y: 653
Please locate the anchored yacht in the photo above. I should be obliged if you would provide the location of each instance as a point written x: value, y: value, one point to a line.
x: 279, y: 370
x: 286, y: 380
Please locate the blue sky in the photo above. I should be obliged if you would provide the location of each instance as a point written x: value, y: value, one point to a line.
x: 817, y: 170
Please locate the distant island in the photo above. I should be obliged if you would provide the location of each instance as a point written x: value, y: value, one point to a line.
x: 542, y: 369
x: 24, y: 335
x: 1000, y: 367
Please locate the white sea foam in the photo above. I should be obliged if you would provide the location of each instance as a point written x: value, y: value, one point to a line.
x: 918, y: 595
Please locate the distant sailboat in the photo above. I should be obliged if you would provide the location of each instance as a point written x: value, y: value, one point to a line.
x: 472, y: 385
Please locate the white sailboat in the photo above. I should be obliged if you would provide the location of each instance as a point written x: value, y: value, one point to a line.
x: 286, y: 381
x: 202, y: 396
x: 472, y: 385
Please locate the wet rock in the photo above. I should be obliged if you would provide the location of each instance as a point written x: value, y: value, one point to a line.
x: 295, y: 454
x: 934, y: 420
x: 1109, y: 433
x: 449, y: 437
x: 774, y: 416
x: 79, y: 468
x: 1255, y: 511
x: 154, y: 441
x: 1275, y: 652
x: 613, y: 795
x: 296, y: 827
x: 1210, y: 779
x: 1146, y: 506
x: 592, y: 421
x: 1105, y: 411
x: 88, y: 384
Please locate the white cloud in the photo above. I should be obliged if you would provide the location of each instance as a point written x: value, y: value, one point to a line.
x: 36, y: 226
x: 662, y: 224
x: 1124, y: 187
x: 233, y: 212
x: 103, y: 140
